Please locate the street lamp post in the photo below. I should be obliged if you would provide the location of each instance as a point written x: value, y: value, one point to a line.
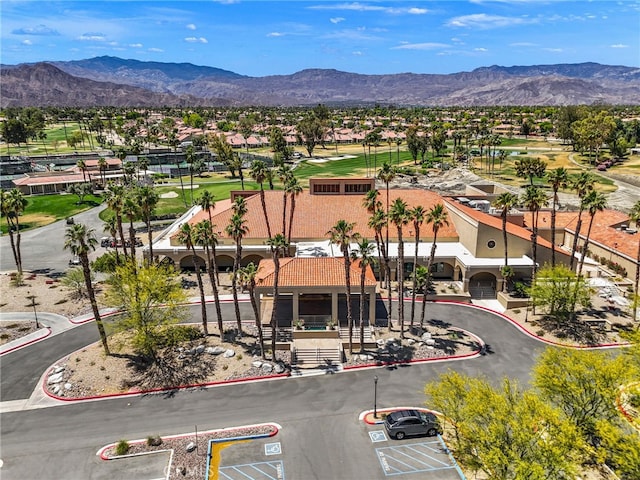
x: 33, y: 304
x: 375, y: 397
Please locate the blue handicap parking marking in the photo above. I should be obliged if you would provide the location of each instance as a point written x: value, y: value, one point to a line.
x: 378, y: 436
x: 414, y: 458
x: 253, y: 471
x: 273, y: 448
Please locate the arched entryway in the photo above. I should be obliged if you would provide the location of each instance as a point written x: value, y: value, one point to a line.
x: 482, y: 285
x: 187, y: 263
x: 224, y: 263
x: 255, y: 259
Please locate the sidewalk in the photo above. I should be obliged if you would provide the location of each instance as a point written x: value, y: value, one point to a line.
x: 50, y: 323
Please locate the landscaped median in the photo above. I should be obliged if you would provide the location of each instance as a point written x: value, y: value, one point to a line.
x: 186, y: 451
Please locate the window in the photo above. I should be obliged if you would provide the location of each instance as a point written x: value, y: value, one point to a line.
x: 356, y: 188
x: 326, y: 188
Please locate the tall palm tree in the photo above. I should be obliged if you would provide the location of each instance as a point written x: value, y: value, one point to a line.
x: 376, y: 222
x: 110, y: 226
x: 557, y: 178
x: 187, y: 235
x: 12, y: 204
x: 399, y: 216
x: 582, y: 186
x: 278, y: 245
x: 342, y: 235
x: 115, y: 201
x: 147, y: 199
x: 80, y: 240
x: 364, y: 254
x: 634, y: 216
x: 208, y: 203
x: 248, y: 278
x: 205, y: 237
x: 386, y: 174
x: 293, y: 188
x: 131, y: 210
x: 102, y: 167
x: 437, y: 217
x: 284, y: 174
x: 258, y: 172
x: 505, y: 202
x: 237, y: 229
x: 422, y: 280
x: 417, y: 215
x: 594, y: 202
x: 190, y: 157
x: 534, y: 199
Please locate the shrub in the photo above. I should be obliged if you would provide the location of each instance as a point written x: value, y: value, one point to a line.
x: 154, y: 440
x: 180, y: 333
x: 516, y: 310
x: 122, y: 447
x: 540, y: 333
x: 239, y: 356
x: 4, y: 336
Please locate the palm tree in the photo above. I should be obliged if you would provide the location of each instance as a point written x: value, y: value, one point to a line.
x: 131, y: 210
x: 278, y: 245
x: 342, y: 234
x: 293, y: 188
x: 558, y: 178
x: 534, y: 199
x: 237, y: 229
x: 386, y: 174
x: 582, y: 185
x: 258, y: 173
x: 205, y: 237
x: 284, y: 174
x: 437, y: 218
x: 115, y: 201
x: 110, y: 226
x: 102, y: 166
x: 207, y: 203
x: 417, y: 215
x: 364, y: 254
x: 399, y: 216
x: 377, y: 220
x: 81, y: 164
x: 12, y: 204
x: 422, y: 281
x: 187, y: 235
x: 248, y: 278
x: 634, y: 216
x: 80, y: 240
x: 594, y: 202
x: 190, y: 157
x: 505, y: 201
x: 147, y: 199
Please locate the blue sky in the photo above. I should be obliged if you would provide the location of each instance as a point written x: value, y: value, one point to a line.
x: 260, y: 38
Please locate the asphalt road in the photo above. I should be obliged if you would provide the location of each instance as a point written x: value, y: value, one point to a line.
x: 318, y: 414
x: 43, y: 248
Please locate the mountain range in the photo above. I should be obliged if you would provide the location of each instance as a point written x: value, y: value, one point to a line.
x: 114, y: 81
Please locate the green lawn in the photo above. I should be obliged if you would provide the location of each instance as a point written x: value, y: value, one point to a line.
x: 45, y: 209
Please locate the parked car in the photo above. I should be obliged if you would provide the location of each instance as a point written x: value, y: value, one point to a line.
x: 602, y: 167
x: 70, y: 220
x: 106, y: 241
x: 74, y: 262
x: 402, y: 423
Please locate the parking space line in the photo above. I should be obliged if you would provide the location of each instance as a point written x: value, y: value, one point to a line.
x: 254, y: 471
x: 414, y: 458
x: 424, y: 454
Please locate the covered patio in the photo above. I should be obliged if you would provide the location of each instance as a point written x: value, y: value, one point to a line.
x: 312, y: 293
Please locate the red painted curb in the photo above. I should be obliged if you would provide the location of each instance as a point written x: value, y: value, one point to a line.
x: 533, y: 335
x: 101, y: 452
x: 158, y: 390
x: 385, y: 410
x: 25, y: 344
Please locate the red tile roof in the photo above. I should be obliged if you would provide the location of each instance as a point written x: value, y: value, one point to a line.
x: 315, y: 215
x: 311, y: 272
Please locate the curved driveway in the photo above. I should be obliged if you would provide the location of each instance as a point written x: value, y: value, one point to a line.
x: 44, y: 443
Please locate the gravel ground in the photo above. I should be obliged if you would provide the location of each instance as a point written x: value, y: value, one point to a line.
x: 192, y: 462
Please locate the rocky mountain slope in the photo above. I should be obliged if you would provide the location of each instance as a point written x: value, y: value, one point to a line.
x: 156, y: 83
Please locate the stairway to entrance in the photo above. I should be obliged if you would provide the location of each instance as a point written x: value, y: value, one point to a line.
x: 316, y: 352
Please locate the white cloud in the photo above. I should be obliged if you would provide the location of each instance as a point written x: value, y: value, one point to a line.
x: 135, y: 45
x: 523, y: 44
x: 484, y: 21
x: 357, y: 53
x: 619, y: 45
x: 196, y: 40
x: 337, y: 19
x: 203, y: 40
x: 363, y: 7
x: 92, y: 37
x: 421, y: 46
x: 480, y: 49
x: 37, y: 30
x: 155, y: 50
x: 27, y: 42
x: 191, y: 26
x: 275, y: 34
x: 553, y: 50
x: 113, y: 44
